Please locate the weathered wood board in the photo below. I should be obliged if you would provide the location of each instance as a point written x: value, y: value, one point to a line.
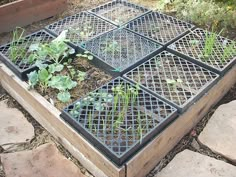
x: 24, y: 12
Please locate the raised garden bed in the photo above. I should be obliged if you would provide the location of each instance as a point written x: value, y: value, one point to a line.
x: 81, y: 27
x: 119, y: 118
x: 119, y: 12
x: 159, y: 27
x: 128, y: 123
x: 24, y: 12
x: 175, y: 79
x: 16, y: 54
x: 207, y: 49
x: 120, y: 50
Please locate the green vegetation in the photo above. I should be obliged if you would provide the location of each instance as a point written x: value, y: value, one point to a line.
x: 219, y: 13
x: 51, y: 75
x: 16, y: 52
x: 117, y: 104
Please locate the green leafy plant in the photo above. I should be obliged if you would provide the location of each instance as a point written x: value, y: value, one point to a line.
x: 112, y: 46
x: 15, y: 49
x: 85, y: 31
x: 49, y: 75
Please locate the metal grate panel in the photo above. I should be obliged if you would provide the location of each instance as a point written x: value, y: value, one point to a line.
x: 121, y: 48
x: 193, y: 46
x: 177, y: 80
x: 21, y: 65
x: 81, y: 27
x: 159, y: 27
x: 119, y: 12
x: 120, y: 127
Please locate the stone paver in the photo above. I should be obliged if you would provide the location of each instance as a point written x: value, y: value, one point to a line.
x: 14, y: 127
x: 193, y: 164
x: 45, y: 161
x: 220, y: 132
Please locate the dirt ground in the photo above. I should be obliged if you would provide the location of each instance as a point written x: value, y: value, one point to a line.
x: 42, y: 136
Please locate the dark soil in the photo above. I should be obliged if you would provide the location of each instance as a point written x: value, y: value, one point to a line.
x: 2, y: 2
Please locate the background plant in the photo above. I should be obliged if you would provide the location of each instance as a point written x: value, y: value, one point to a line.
x: 207, y: 13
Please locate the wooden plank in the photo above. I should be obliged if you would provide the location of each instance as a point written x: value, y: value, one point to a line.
x: 48, y: 116
x: 25, y: 12
x: 143, y: 162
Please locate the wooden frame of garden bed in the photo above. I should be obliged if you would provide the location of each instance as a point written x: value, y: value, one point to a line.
x: 145, y: 160
x: 24, y: 12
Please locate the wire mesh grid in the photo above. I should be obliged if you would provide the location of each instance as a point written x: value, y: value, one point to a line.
x: 119, y: 115
x: 159, y: 27
x: 174, y: 78
x: 119, y: 12
x: 81, y: 27
x: 121, y: 48
x: 208, y: 48
x: 18, y: 52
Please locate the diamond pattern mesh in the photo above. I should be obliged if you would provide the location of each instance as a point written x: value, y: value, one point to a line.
x: 159, y: 27
x: 140, y: 116
x: 81, y: 27
x: 193, y: 45
x: 121, y: 48
x: 172, y: 77
x: 23, y: 49
x: 119, y: 12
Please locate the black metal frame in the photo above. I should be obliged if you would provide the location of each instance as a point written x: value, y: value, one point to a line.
x: 75, y: 22
x: 22, y: 73
x: 147, y: 100
x: 186, y: 66
x: 125, y: 3
x: 103, y: 60
x: 141, y: 26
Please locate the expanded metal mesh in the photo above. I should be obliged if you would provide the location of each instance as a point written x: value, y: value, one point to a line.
x: 81, y: 27
x: 159, y: 27
x: 121, y: 48
x: 119, y: 12
x: 116, y: 120
x: 172, y: 77
x: 218, y: 55
x: 21, y: 49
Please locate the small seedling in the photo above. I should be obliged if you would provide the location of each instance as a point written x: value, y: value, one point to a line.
x: 173, y: 83
x: 112, y: 47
